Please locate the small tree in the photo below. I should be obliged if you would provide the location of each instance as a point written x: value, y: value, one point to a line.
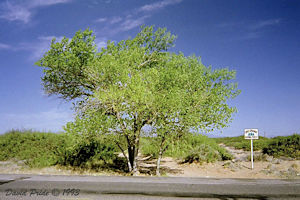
x: 136, y: 82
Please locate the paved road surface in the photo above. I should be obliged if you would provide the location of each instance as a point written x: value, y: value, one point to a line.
x: 105, y: 187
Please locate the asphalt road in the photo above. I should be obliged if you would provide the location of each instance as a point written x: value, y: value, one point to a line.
x: 105, y: 187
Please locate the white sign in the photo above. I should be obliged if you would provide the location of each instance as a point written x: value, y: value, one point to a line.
x: 251, y: 134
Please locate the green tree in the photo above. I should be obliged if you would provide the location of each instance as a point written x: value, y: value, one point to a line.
x: 136, y: 82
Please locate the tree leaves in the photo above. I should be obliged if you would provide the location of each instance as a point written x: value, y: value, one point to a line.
x: 63, y: 66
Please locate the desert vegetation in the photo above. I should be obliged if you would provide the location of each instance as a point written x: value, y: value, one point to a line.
x: 287, y: 146
x: 240, y: 143
x: 189, y: 148
x: 91, y: 152
x: 39, y: 149
x: 36, y: 149
x: 280, y: 146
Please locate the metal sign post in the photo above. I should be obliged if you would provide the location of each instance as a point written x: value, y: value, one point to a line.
x: 251, y: 134
x: 252, y: 154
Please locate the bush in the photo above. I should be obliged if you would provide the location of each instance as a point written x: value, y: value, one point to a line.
x: 149, y: 146
x: 191, y: 147
x: 39, y: 149
x: 287, y: 146
x: 89, y: 152
x: 86, y: 152
x: 225, y: 155
x: 36, y: 148
x: 202, y: 153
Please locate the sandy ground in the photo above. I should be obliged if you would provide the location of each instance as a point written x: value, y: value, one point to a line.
x: 239, y: 167
x: 229, y: 169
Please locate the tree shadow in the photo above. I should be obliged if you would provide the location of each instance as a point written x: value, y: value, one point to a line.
x: 149, y: 168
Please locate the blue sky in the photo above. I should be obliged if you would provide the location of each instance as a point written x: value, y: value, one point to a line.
x: 258, y: 39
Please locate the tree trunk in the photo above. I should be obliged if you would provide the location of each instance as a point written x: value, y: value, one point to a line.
x: 131, y: 157
x: 136, y: 152
x: 161, y: 151
x: 158, y: 163
x: 127, y: 157
x: 133, y: 147
x: 129, y: 165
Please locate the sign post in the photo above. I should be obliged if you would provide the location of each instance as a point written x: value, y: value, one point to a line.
x: 251, y: 134
x: 252, y: 154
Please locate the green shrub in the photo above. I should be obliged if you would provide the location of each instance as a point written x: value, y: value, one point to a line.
x: 189, y: 147
x: 89, y: 151
x: 46, y: 149
x: 149, y: 146
x: 288, y: 146
x: 202, y: 153
x: 225, y: 155
x: 84, y: 151
x: 36, y: 148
